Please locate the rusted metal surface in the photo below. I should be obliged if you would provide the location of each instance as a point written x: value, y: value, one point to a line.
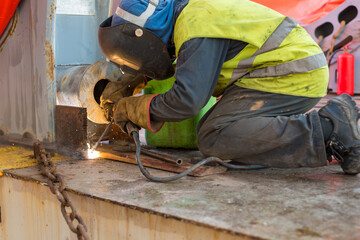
x: 155, y: 154
x: 71, y: 128
x: 57, y: 186
x: 76, y: 87
x: 162, y: 156
x: 108, y: 152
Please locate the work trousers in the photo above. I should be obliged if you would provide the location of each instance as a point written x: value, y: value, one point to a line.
x: 262, y: 128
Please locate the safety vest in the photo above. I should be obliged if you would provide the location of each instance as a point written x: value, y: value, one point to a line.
x: 280, y: 56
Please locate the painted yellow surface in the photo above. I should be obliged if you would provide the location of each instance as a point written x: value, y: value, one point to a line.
x: 12, y: 156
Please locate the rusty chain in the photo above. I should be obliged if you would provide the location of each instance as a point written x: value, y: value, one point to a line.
x: 57, y: 187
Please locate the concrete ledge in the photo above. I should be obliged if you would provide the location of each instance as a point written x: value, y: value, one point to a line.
x: 31, y: 212
x: 116, y: 202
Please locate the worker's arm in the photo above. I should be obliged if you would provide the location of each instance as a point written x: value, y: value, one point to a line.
x: 198, y: 68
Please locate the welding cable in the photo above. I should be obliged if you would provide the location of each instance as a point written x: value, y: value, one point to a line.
x: 146, y: 173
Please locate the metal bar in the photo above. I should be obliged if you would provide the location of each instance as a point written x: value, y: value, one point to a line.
x: 102, y: 135
x: 109, y: 152
x: 162, y: 156
x: 71, y: 130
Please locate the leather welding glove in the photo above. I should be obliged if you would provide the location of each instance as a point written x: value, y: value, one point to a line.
x: 126, y: 86
x: 136, y: 110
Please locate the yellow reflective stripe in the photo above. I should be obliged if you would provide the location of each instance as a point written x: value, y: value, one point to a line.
x: 309, y: 84
x: 297, y: 66
x: 272, y: 43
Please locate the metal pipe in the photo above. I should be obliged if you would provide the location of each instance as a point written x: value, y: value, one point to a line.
x: 161, y: 156
x: 81, y: 86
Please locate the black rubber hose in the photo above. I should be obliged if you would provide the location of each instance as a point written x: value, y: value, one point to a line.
x: 145, y: 172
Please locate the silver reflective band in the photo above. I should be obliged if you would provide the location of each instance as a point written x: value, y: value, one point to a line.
x: 138, y: 20
x: 298, y: 66
x: 272, y: 43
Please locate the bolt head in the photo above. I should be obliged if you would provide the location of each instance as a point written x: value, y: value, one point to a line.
x: 139, y: 32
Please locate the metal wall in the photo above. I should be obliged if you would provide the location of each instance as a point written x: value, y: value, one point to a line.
x: 76, y: 31
x: 49, y: 35
x: 27, y: 77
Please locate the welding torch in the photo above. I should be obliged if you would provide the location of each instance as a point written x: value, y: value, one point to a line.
x: 102, y: 135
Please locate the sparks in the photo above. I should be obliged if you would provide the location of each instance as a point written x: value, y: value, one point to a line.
x: 92, y: 154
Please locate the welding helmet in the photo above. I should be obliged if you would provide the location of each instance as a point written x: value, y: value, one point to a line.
x: 133, y: 47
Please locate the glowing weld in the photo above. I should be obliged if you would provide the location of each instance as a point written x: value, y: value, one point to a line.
x: 92, y: 154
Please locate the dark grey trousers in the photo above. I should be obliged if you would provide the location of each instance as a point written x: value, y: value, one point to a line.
x: 261, y: 128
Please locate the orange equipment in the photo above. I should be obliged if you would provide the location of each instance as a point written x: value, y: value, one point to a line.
x: 304, y: 11
x: 7, y: 9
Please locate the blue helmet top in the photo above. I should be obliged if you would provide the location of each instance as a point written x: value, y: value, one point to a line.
x: 154, y: 15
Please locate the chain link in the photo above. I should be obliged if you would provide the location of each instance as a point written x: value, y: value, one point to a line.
x: 57, y: 187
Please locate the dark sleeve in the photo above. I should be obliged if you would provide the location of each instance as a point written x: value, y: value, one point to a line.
x: 197, y: 71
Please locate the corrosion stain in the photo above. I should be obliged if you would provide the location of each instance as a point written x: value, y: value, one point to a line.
x: 305, y: 231
x: 257, y: 105
x: 52, y: 10
x: 64, y: 79
x: 50, y: 61
x: 28, y: 135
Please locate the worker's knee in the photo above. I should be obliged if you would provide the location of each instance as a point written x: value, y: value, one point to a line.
x: 206, y: 140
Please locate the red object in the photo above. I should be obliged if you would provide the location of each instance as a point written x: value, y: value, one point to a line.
x: 345, y: 73
x: 7, y: 9
x: 304, y: 11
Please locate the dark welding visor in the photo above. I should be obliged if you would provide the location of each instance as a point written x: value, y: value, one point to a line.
x: 135, y: 49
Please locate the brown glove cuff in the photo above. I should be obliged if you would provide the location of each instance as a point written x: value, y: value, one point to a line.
x: 137, y: 110
x: 153, y: 126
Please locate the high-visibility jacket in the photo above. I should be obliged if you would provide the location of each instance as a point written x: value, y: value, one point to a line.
x: 280, y: 56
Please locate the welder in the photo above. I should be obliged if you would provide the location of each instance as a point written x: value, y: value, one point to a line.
x: 266, y: 68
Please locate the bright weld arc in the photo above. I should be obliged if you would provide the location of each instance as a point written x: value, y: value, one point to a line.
x: 92, y: 154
